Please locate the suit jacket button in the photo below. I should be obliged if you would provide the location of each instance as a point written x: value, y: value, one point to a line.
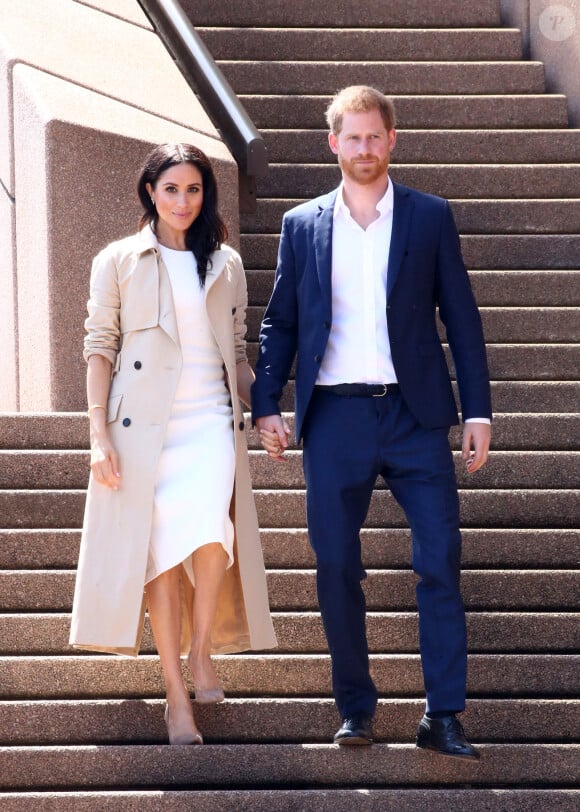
x: 137, y: 364
x: 317, y: 358
x: 326, y: 325
x: 241, y: 425
x: 127, y: 421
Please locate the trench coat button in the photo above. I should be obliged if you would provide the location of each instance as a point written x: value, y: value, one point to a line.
x: 233, y: 310
x: 137, y: 364
x: 127, y: 421
x: 241, y: 425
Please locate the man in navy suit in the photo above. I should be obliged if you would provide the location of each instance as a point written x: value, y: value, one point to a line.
x: 361, y: 273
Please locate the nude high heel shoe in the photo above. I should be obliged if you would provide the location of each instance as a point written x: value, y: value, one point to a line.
x: 181, y: 736
x: 205, y: 696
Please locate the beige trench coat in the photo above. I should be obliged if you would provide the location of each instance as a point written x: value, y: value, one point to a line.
x: 132, y: 323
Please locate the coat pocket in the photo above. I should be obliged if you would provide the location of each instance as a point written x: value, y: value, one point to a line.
x: 113, y: 407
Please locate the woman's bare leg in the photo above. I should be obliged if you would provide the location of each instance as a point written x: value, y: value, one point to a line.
x: 209, y: 566
x: 163, y: 601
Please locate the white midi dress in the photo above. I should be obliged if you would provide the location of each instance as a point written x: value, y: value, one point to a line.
x: 195, y: 477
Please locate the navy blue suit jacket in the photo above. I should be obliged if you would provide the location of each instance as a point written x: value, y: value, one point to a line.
x: 425, y: 271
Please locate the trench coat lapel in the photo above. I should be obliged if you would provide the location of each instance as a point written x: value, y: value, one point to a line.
x: 167, y: 317
x: 218, y: 263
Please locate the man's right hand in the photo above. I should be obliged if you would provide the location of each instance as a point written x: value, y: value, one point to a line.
x: 274, y: 433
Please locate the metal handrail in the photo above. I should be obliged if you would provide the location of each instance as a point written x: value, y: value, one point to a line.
x: 205, y: 78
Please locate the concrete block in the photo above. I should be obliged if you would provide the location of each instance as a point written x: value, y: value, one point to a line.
x: 97, y: 51
x: 128, y: 10
x: 52, y: 430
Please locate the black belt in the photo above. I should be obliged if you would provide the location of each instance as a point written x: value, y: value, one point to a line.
x: 361, y: 390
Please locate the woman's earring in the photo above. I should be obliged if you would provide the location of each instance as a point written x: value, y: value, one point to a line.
x: 153, y: 202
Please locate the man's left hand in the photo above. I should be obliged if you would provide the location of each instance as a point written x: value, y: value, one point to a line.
x: 475, y: 447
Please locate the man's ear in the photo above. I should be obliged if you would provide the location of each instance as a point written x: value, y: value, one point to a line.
x: 333, y: 143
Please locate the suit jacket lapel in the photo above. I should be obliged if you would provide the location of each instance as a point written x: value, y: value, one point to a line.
x: 402, y: 211
x: 323, y: 243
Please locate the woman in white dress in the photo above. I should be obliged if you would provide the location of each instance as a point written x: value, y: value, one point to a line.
x: 192, y: 542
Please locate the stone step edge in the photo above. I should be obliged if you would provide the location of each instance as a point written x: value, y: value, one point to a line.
x: 302, y: 765
x: 271, y: 799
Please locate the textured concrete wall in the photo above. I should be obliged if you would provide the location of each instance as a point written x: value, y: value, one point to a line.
x: 551, y: 33
x: 86, y: 88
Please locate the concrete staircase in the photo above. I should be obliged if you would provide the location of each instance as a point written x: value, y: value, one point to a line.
x: 85, y: 732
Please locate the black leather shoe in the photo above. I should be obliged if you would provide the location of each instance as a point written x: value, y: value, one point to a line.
x: 356, y: 729
x: 445, y: 736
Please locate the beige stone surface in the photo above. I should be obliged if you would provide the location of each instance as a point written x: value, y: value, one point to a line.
x: 95, y: 51
x: 129, y: 10
x: 8, y: 371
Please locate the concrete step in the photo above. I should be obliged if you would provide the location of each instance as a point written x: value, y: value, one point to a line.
x: 402, y: 78
x: 516, y: 362
x: 295, y: 590
x: 480, y: 251
x: 114, y: 721
x: 539, y: 548
x: 301, y: 632
x: 303, y: 13
x: 349, y: 44
x: 28, y: 470
x: 503, y: 109
x: 300, y: 676
x: 289, y: 548
x: 446, y: 180
x: 472, y: 216
x: 511, y: 432
x: 399, y: 765
x: 509, y: 396
x: 520, y: 469
x: 492, y: 508
x: 283, y: 800
x: 525, y: 508
x: 504, y: 325
x: 421, y: 146
x: 500, y: 288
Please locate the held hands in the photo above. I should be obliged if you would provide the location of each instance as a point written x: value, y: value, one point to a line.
x: 274, y: 432
x: 105, y: 463
x: 475, y: 447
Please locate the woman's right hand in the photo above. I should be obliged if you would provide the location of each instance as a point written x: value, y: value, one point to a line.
x: 105, y: 462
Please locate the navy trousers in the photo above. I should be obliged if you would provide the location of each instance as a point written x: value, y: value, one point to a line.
x: 348, y: 443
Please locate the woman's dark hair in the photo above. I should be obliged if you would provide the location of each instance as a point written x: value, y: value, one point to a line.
x: 208, y: 231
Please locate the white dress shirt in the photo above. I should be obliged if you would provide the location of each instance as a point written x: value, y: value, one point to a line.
x: 358, y: 349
